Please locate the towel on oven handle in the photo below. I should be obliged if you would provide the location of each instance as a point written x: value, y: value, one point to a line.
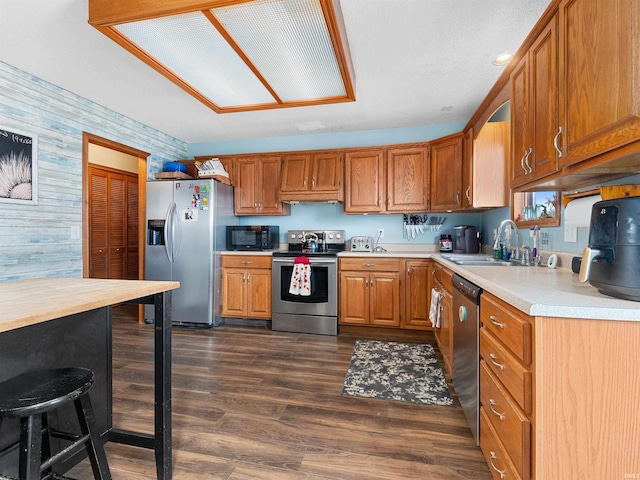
x: 301, y: 277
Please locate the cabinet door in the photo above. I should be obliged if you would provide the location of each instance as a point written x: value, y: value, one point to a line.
x: 132, y: 260
x: 467, y: 169
x: 446, y: 173
x: 117, y: 226
x: 446, y: 331
x: 354, y: 298
x: 258, y: 293
x: 327, y: 172
x: 245, y: 193
x: 384, y: 294
x: 417, y: 294
x: 407, y: 179
x: 364, y: 182
x: 269, y: 179
x: 543, y: 80
x: 234, y: 292
x: 98, y: 230
x: 295, y: 173
x: 519, y: 122
x: 599, y: 76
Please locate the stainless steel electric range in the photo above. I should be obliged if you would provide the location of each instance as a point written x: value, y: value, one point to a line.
x: 316, y: 312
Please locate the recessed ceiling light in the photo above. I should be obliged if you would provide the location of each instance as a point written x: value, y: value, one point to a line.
x: 503, y: 59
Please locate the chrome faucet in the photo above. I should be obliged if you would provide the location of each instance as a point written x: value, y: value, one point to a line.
x: 526, y: 255
x: 500, y: 231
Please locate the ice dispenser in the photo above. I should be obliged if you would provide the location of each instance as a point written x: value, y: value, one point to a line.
x: 155, y: 232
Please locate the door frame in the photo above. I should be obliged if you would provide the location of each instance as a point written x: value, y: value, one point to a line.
x: 89, y: 138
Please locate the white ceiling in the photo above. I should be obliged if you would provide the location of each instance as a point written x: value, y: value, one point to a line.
x: 417, y: 62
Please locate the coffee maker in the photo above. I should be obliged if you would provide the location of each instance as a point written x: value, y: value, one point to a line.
x: 466, y: 239
x: 610, y: 261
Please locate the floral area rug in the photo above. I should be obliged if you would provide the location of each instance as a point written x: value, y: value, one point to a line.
x: 396, y: 371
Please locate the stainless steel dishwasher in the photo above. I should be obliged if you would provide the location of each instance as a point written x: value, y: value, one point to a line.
x: 466, y: 355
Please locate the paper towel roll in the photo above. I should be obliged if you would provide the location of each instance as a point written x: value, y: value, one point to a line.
x: 578, y: 212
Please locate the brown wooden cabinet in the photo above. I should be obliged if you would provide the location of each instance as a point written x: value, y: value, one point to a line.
x: 444, y: 333
x: 446, y: 173
x: 408, y: 179
x: 365, y: 181
x: 416, y: 298
x: 369, y: 292
x: 467, y: 168
x: 312, y: 177
x: 113, y: 218
x: 599, y: 76
x: 534, y: 110
x: 246, y: 286
x: 506, y: 387
x: 257, y: 186
x: 387, y: 180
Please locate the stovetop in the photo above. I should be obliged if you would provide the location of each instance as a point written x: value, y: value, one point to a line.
x: 330, y: 243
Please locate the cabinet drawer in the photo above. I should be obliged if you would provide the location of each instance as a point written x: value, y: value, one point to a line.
x: 508, y: 325
x: 246, y: 261
x: 493, y: 451
x: 513, y: 375
x: 511, y: 425
x: 374, y: 264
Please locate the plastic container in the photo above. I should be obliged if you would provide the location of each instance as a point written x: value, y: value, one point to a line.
x: 175, y: 167
x: 446, y: 243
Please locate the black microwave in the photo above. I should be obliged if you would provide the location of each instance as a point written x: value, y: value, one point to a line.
x: 253, y: 237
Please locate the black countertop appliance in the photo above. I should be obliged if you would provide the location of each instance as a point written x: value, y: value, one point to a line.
x: 611, y: 261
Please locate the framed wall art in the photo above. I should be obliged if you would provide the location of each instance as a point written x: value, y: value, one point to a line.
x: 18, y: 166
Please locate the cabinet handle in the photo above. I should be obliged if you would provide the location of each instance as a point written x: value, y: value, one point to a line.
x: 368, y: 264
x: 458, y: 196
x: 366, y: 284
x: 244, y: 278
x: 409, y: 272
x: 248, y: 278
x: 313, y: 182
x: 493, y: 457
x: 246, y: 262
x: 493, y: 320
x: 555, y: 141
x: 526, y: 159
x: 522, y: 162
x: 100, y: 250
x: 492, y: 404
x: 468, y: 193
x: 492, y: 359
x: 255, y: 204
x: 304, y: 183
x: 379, y: 202
x: 260, y: 204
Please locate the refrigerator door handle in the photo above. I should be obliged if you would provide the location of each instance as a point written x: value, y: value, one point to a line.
x: 176, y: 233
x: 168, y: 232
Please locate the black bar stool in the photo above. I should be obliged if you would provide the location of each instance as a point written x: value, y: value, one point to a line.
x: 29, y: 397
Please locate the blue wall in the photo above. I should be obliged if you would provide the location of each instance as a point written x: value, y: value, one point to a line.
x: 37, y: 240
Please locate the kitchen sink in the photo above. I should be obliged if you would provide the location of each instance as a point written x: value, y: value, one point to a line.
x: 478, y: 259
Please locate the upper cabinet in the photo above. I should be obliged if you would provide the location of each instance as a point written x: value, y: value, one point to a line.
x: 599, y: 76
x: 257, y: 186
x: 408, y: 179
x: 364, y: 178
x: 534, y: 110
x: 387, y: 180
x: 446, y: 173
x: 312, y: 177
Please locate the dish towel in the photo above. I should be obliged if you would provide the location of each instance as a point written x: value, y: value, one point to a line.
x: 301, y: 277
x: 434, y: 309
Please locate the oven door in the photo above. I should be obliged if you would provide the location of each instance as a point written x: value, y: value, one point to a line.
x: 323, y: 300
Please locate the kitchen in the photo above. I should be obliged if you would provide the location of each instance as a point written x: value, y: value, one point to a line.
x: 315, y: 215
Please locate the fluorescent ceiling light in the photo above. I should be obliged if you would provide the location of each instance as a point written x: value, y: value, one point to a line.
x: 238, y: 55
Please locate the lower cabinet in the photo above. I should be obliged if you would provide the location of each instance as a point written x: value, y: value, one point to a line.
x: 506, y: 388
x: 444, y: 333
x: 369, y: 292
x: 416, y: 298
x: 246, y: 286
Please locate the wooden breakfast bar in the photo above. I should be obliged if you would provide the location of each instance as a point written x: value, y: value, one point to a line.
x: 61, y: 322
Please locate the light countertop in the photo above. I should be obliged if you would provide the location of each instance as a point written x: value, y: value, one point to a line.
x: 27, y: 302
x: 536, y: 291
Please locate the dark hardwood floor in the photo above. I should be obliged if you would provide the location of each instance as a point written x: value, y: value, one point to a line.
x: 249, y: 403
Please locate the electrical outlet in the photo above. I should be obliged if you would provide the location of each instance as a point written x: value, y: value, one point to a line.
x: 381, y: 233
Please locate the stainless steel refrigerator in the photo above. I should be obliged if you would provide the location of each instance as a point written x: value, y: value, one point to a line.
x: 186, y: 231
